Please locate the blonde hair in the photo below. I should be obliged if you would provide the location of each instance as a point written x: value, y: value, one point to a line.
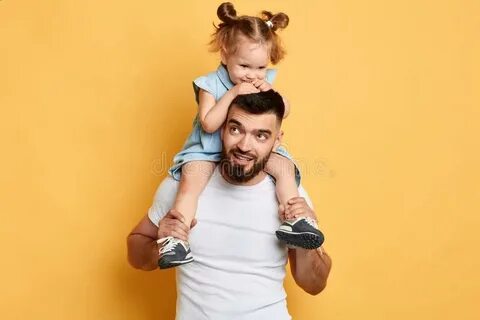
x: 253, y: 28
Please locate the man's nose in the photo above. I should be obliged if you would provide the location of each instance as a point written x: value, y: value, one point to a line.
x: 244, y: 144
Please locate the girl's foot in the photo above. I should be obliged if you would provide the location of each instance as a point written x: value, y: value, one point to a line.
x: 173, y: 252
x: 300, y: 233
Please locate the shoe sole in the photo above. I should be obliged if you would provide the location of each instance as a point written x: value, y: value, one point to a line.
x: 305, y: 240
x: 173, y: 264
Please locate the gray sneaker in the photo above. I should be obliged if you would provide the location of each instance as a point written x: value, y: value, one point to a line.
x: 173, y: 252
x: 300, y: 233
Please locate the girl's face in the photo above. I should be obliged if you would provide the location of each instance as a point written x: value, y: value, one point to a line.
x: 248, y: 63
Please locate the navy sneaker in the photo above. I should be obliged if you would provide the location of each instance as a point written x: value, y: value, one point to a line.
x: 300, y: 233
x: 173, y: 252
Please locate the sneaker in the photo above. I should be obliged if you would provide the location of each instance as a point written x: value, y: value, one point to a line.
x: 173, y: 252
x: 300, y: 233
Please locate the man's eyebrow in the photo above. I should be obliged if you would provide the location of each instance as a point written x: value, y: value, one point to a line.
x: 264, y: 131
x: 234, y: 122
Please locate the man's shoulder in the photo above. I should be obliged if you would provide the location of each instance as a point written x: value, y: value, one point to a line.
x: 163, y: 199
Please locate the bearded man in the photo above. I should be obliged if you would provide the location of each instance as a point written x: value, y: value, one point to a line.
x: 239, y: 265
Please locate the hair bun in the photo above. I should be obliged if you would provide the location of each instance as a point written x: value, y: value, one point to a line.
x: 279, y: 20
x: 226, y: 12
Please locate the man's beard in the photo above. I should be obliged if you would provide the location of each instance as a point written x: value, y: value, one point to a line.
x: 236, y: 172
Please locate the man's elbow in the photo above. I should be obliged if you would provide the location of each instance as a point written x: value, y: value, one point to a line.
x: 315, y: 290
x: 137, y: 264
x: 135, y: 259
x: 143, y: 267
x: 312, y: 286
x: 134, y: 263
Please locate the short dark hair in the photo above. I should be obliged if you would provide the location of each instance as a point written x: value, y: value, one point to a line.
x: 263, y: 102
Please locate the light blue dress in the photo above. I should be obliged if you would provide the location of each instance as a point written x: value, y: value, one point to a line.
x: 203, y: 146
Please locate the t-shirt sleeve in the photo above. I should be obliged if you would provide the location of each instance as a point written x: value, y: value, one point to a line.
x: 207, y: 83
x: 271, y: 74
x: 163, y: 200
x: 304, y: 194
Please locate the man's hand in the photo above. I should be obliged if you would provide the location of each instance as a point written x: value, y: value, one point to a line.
x: 173, y: 225
x: 245, y: 88
x: 310, y: 268
x: 297, y: 207
x: 262, y: 85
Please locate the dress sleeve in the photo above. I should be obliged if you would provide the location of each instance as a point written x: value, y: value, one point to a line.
x: 207, y: 83
x: 271, y: 74
x: 163, y: 200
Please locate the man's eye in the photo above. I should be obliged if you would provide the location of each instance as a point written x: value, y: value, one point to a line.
x: 261, y: 137
x: 234, y: 130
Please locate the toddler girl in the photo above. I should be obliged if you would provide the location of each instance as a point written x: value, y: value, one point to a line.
x: 246, y: 45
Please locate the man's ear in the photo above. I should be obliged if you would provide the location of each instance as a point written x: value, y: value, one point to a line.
x: 278, y: 140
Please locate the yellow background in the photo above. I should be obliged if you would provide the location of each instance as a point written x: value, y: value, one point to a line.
x: 96, y: 98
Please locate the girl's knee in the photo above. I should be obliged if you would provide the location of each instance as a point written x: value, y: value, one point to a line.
x: 195, y: 176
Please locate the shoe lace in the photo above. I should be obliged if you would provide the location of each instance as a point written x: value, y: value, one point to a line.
x: 167, y: 244
x: 311, y: 222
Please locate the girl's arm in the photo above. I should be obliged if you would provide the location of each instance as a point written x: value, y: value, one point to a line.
x: 213, y: 114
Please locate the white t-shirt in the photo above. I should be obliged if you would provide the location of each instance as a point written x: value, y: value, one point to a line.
x: 239, y: 265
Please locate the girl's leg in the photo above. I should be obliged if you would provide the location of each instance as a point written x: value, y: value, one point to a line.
x: 301, y: 232
x: 194, y: 178
x: 283, y: 170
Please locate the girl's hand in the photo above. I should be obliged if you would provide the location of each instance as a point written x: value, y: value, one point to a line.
x: 245, y: 88
x: 262, y: 85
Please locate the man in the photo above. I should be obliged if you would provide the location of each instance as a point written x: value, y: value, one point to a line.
x: 239, y: 264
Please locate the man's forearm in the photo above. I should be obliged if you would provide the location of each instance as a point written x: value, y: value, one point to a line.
x: 142, y: 252
x: 312, y: 268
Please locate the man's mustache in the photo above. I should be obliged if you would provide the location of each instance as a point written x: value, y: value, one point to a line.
x: 245, y: 154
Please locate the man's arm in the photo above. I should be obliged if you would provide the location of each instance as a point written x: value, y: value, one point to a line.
x: 310, y: 268
x: 142, y: 241
x: 142, y: 246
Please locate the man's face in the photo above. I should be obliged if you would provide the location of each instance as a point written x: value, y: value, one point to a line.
x: 248, y: 140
